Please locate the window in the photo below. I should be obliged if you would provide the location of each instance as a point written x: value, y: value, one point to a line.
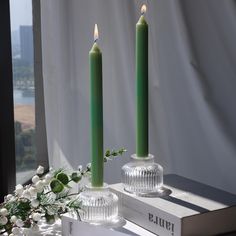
x: 21, y: 78
x: 24, y: 89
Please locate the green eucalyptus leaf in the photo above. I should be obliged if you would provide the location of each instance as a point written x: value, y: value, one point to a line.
x: 76, y: 177
x: 56, y: 172
x: 107, y: 153
x: 63, y: 178
x: 114, y: 153
x: 56, y: 186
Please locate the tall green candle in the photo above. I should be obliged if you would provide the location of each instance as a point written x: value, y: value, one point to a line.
x: 142, y: 86
x: 96, y: 112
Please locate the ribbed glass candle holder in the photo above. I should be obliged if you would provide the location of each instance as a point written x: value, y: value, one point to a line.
x: 99, y: 206
x: 143, y: 177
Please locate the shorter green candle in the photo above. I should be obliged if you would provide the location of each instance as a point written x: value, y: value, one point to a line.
x: 96, y: 113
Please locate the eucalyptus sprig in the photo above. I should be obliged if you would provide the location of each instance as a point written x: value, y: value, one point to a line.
x: 49, y: 196
x: 111, y: 154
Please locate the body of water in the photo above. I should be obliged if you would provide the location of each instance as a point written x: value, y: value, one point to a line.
x: 19, y: 99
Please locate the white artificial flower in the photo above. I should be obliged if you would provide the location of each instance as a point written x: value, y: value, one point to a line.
x: 36, y: 216
x: 45, y: 182
x: 15, y: 231
x: 19, y: 189
x: 3, y: 212
x: 3, y: 220
x: 9, y: 197
x: 80, y: 168
x: 51, y: 169
x: 39, y: 186
x: 33, y: 191
x: 48, y: 177
x: 35, y: 203
x: 26, y: 194
x: 88, y: 166
x: 40, y: 170
x: 35, y: 179
x: 19, y: 223
x: 13, y: 219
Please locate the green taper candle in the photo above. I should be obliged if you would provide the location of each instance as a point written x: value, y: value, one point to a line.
x: 142, y: 86
x: 96, y: 112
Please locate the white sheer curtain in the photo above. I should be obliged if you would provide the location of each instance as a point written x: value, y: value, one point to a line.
x: 192, y: 83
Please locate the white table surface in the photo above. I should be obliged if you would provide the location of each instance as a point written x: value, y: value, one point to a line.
x: 55, y: 230
x: 129, y: 229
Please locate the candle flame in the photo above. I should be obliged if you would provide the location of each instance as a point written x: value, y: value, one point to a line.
x: 143, y: 9
x: 96, y: 35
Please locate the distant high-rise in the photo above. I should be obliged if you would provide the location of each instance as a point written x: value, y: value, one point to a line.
x: 26, y: 43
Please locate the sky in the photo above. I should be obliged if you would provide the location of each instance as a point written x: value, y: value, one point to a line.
x: 21, y: 13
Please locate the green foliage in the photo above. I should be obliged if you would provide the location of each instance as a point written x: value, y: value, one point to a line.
x: 109, y: 154
x: 50, y: 201
x: 20, y: 208
x: 56, y: 186
x: 20, y: 150
x: 56, y: 172
x: 62, y: 195
x: 76, y: 177
x: 24, y: 147
x: 18, y: 128
x: 63, y: 178
x: 46, y: 199
x: 113, y: 153
x: 22, y: 71
x: 27, y: 138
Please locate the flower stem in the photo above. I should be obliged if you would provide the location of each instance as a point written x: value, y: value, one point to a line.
x: 48, y: 192
x: 69, y: 195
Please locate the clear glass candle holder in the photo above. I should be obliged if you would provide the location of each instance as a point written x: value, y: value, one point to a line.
x: 143, y: 177
x: 99, y: 206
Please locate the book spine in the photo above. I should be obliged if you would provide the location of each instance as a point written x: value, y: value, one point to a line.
x: 148, y: 217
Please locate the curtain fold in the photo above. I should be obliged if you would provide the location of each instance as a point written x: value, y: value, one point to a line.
x: 191, y: 88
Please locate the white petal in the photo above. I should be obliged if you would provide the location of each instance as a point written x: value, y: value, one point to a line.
x: 39, y: 186
x: 35, y: 203
x: 3, y: 212
x: 19, y: 223
x: 33, y: 191
x: 80, y: 168
x: 3, y: 220
x: 13, y: 219
x: 48, y: 177
x: 19, y: 189
x: 36, y: 216
x: 35, y: 179
x: 40, y: 170
x: 26, y: 194
x: 9, y: 197
x: 15, y: 230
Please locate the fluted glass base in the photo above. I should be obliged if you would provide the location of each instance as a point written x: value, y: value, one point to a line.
x: 99, y: 206
x: 143, y: 177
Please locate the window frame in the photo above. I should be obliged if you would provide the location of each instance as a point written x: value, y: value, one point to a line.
x: 7, y: 142
x: 40, y: 119
x: 7, y: 133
